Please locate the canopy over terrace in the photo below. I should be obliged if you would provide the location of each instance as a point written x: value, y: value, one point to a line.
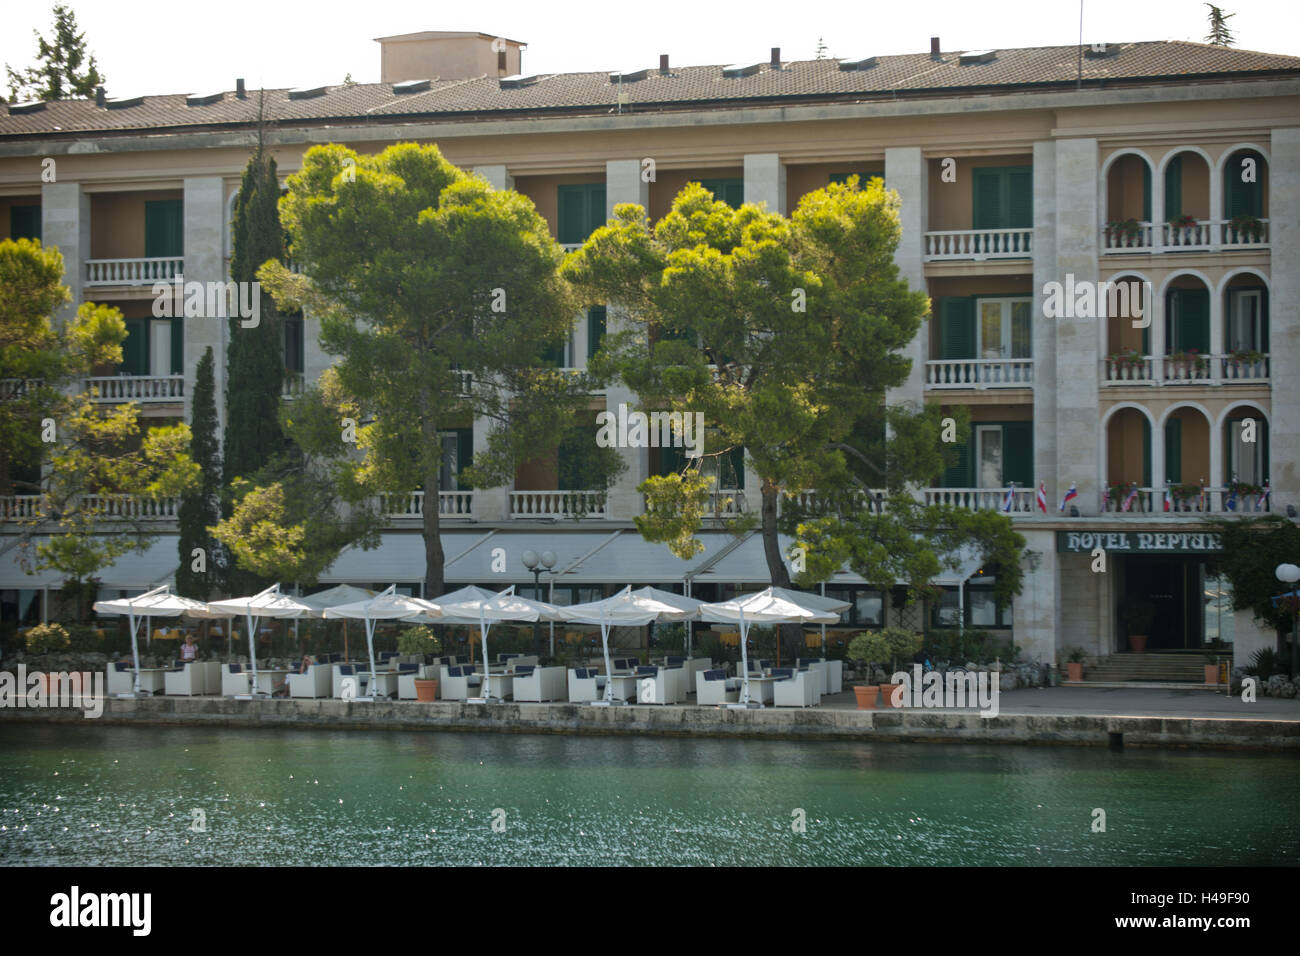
x: 268, y: 603
x: 159, y: 602
x: 388, y: 606
x: 629, y: 608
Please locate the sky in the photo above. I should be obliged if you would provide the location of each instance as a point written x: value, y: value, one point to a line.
x: 174, y: 46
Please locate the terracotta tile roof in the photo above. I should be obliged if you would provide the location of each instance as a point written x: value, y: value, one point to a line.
x: 693, y: 87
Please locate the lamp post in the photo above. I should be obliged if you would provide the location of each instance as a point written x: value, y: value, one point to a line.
x: 534, y: 563
x: 1290, y: 574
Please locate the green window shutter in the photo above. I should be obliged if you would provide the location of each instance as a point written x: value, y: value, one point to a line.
x: 1239, y: 198
x: 1020, y: 197
x: 178, y: 347
x: 24, y: 222
x: 464, y: 453
x: 672, y: 461
x: 1174, y: 188
x: 572, y: 204
x: 1194, y: 319
x: 957, y: 327
x: 294, y: 344
x: 1146, y: 192
x: 959, y: 475
x: 135, y: 349
x: 595, y: 329
x: 1146, y: 453
x: 595, y: 207
x: 1018, y: 453
x: 1174, y: 451
x: 730, y: 191
x: 553, y: 355
x: 987, y: 200
x: 1263, y: 320
x: 863, y: 177
x: 731, y: 469
x: 1263, y: 442
x: 164, y: 233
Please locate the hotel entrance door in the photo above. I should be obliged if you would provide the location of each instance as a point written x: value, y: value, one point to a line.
x: 1172, y: 586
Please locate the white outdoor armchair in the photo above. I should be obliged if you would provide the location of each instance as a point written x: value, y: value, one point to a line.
x: 317, y: 682
x: 714, y: 687
x: 544, y: 683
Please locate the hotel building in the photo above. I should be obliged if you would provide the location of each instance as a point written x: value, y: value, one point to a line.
x: 1172, y: 165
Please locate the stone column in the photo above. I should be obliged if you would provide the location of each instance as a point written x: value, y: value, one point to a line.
x: 498, y: 176
x: 65, y: 222
x: 623, y: 184
x: 1036, y: 612
x: 907, y: 173
x: 1044, y: 328
x: 765, y: 181
x: 1076, y: 389
x: 204, y: 212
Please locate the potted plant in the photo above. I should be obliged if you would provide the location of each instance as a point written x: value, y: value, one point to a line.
x: 1213, y: 651
x: 421, y: 640
x: 1185, y: 223
x: 889, y: 644
x: 1074, y: 664
x: 1247, y: 226
x: 47, y: 639
x: 867, y: 647
x: 1190, y: 361
x: 1138, y: 615
x: 1124, y: 231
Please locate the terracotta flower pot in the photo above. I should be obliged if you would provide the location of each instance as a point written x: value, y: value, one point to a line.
x: 1211, y: 673
x: 426, y: 691
x: 866, y: 695
x: 887, y: 694
x: 1074, y: 670
x: 1137, y: 643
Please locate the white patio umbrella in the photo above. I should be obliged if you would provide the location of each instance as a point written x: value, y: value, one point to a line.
x: 333, y: 597
x: 385, y: 606
x: 629, y: 608
x: 159, y: 602
x: 503, y: 606
x: 268, y: 603
x: 766, y: 607
x: 819, y: 601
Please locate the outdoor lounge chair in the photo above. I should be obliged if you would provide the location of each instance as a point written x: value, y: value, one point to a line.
x: 406, y: 680
x: 234, y: 680
x: 654, y: 686
x: 120, y: 678
x: 457, y: 682
x: 187, y: 680
x: 338, y: 686
x: 715, y: 687
x: 317, y: 682
x: 585, y: 685
x: 800, y: 690
x: 542, y: 683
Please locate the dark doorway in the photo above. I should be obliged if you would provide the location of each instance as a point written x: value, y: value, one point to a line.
x: 1172, y: 586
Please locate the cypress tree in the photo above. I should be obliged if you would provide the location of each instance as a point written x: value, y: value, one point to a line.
x: 200, y: 508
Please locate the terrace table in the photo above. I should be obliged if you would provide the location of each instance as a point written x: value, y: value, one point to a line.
x: 383, y: 683
x: 624, y: 686
x: 268, y: 681
x: 760, y: 688
x: 501, y: 685
x: 151, y: 679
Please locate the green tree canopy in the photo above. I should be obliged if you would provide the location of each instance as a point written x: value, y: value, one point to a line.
x: 201, y: 507
x: 59, y: 72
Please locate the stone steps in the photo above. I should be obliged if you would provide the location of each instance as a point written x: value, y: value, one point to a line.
x: 1181, y: 668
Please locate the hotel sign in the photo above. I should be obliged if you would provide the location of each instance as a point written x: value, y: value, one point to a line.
x: 1140, y: 542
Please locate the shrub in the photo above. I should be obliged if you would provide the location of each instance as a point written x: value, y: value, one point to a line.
x: 47, y: 639
x: 1266, y: 662
x: 418, y: 640
x: 885, y: 645
x: 84, y: 639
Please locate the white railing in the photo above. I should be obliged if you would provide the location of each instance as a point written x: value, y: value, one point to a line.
x: 135, y: 507
x: 143, y: 271
x: 294, y: 384
x: 873, y: 501
x: 20, y: 507
x: 557, y: 504
x: 979, y: 373
x: 570, y: 246
x: 18, y: 387
x: 982, y: 499
x: 451, y: 504
x: 978, y: 244
x: 137, y: 388
x: 1183, y: 500
x: 1220, y: 369
x: 1205, y: 234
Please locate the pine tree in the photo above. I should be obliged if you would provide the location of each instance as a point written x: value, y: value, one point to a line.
x: 201, y: 508
x: 1219, y: 34
x: 59, y: 72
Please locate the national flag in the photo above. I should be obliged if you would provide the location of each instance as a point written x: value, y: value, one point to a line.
x: 1042, y: 497
x: 1169, y: 499
x: 1069, y: 496
x: 1262, y: 503
x: 1132, y: 497
x: 1011, y: 497
x: 1202, y: 495
x: 1231, y: 503
x: 1105, y: 498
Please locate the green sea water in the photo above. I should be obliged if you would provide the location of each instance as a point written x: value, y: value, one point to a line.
x: 91, y: 795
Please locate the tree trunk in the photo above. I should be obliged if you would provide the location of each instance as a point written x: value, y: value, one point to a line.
x: 433, y: 553
x: 791, y: 634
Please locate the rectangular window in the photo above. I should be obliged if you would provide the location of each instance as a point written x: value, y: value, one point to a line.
x: 1187, y: 320
x: 946, y: 611
x: 164, y: 228
x: 730, y: 191
x: 1247, y: 460
x: 1247, y: 330
x: 1005, y: 329
x: 957, y: 328
x: 988, y: 456
x: 135, y: 349
x: 868, y: 609
x: 457, y: 451
x: 1174, y: 188
x: 1003, y: 197
x: 581, y: 211
x: 25, y: 222
x: 294, y: 344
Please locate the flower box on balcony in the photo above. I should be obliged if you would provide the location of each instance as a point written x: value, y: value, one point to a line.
x: 1189, y: 361
x: 1124, y: 230
x: 1247, y: 226
x: 1245, y: 356
x: 1130, y: 358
